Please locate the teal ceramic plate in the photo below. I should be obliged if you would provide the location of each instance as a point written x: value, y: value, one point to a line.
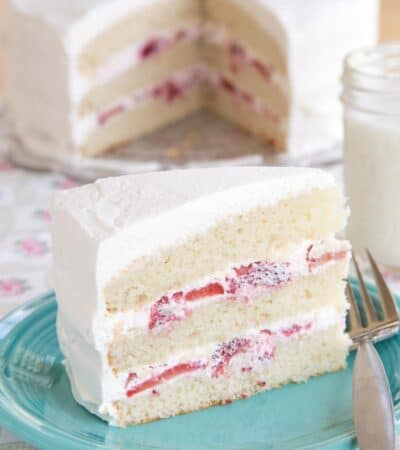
x: 36, y: 402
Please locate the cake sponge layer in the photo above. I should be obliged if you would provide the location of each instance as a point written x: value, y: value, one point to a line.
x: 294, y: 361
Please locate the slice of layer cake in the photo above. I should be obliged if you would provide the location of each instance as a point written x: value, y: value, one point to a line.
x: 184, y: 289
x: 85, y: 76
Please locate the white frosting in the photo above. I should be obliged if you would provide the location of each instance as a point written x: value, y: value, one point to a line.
x: 315, y: 35
x: 77, y: 22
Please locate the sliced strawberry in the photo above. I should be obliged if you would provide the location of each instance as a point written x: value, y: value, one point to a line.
x: 246, y: 97
x: 243, y: 270
x: 262, y: 69
x: 180, y: 35
x: 151, y: 47
x: 294, y: 329
x: 132, y: 376
x: 228, y: 85
x: 236, y: 49
x: 209, y: 290
x: 221, y: 358
x: 172, y: 90
x: 107, y: 115
x: 325, y: 258
x: 266, y: 332
x: 168, y: 374
x: 263, y: 274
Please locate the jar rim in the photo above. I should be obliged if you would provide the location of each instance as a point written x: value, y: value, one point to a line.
x: 359, y: 60
x: 371, y: 79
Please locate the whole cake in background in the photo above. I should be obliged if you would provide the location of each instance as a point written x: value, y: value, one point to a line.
x: 184, y: 289
x: 87, y: 75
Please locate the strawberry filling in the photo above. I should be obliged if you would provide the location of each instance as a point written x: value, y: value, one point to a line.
x: 228, y: 85
x: 261, y: 274
x: 262, y: 69
x: 314, y: 262
x: 225, y: 352
x: 168, y: 374
x: 291, y: 331
x: 206, y: 291
x: 257, y: 349
x: 151, y: 47
x: 172, y: 89
x: 239, y: 284
x: 109, y: 114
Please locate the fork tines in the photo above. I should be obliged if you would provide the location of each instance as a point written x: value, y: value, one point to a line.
x: 366, y: 321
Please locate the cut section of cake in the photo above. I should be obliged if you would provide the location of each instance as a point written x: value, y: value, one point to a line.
x: 184, y: 289
x: 103, y: 72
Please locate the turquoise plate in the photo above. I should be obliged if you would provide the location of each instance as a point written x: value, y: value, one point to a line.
x: 36, y: 402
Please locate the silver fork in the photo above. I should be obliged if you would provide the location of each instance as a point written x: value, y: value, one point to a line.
x: 373, y: 412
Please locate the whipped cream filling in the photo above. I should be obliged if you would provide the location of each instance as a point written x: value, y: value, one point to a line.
x: 252, y: 350
x: 169, y: 90
x: 164, y: 313
x: 138, y: 52
x: 134, y: 54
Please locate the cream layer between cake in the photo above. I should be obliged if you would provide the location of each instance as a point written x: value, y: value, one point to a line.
x: 250, y: 352
x: 306, y: 258
x: 229, y: 316
x: 295, y: 360
x: 123, y: 61
x: 171, y: 90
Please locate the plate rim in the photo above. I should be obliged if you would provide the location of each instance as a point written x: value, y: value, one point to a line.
x: 48, y: 435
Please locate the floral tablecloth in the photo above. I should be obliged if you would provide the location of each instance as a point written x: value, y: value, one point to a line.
x: 25, y: 243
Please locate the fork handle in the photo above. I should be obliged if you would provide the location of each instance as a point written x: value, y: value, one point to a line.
x: 372, y: 402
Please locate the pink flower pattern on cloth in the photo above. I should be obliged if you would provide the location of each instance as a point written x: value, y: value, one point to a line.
x: 13, y: 287
x: 31, y: 247
x: 42, y: 214
x: 66, y: 183
x: 6, y: 166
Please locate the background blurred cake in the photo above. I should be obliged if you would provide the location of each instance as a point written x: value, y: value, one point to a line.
x: 97, y: 73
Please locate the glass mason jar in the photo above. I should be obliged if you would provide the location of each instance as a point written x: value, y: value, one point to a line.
x: 371, y: 98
